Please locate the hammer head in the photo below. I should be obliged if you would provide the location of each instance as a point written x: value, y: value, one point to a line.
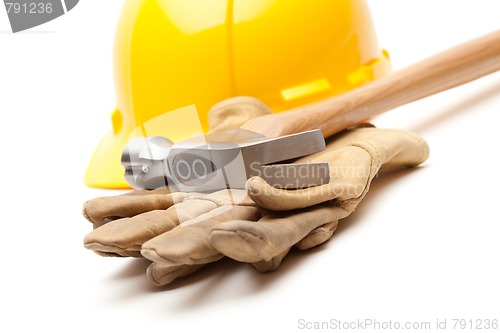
x: 206, y: 163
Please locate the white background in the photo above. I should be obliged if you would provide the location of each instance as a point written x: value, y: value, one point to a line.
x: 423, y: 245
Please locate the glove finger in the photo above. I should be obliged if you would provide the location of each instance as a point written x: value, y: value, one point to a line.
x: 105, y: 209
x: 124, y: 237
x: 314, y: 238
x: 350, y: 171
x: 163, y: 274
x: 264, y: 266
x: 189, y: 242
x: 274, y: 233
x: 318, y: 236
x: 390, y: 147
x: 234, y: 112
x: 354, y: 158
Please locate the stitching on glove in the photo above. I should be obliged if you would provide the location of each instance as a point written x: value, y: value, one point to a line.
x: 220, y: 201
x: 85, y: 214
x: 376, y: 161
x: 422, y: 142
x: 375, y: 155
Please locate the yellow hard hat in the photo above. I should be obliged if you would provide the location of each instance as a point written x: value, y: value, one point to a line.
x: 170, y: 54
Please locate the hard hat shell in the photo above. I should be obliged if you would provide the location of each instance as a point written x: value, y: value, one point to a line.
x: 173, y: 53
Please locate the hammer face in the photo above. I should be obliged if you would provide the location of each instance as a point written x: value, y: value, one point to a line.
x: 210, y: 163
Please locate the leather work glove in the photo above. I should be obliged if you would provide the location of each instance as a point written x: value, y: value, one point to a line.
x: 130, y: 219
x: 124, y: 223
x: 309, y: 216
x: 180, y: 232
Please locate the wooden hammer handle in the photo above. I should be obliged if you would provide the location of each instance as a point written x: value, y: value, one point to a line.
x: 451, y: 68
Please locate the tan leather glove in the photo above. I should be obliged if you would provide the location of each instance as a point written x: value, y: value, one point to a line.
x: 174, y: 229
x: 224, y: 223
x: 123, y: 223
x: 180, y: 219
x: 181, y: 232
x: 354, y: 158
